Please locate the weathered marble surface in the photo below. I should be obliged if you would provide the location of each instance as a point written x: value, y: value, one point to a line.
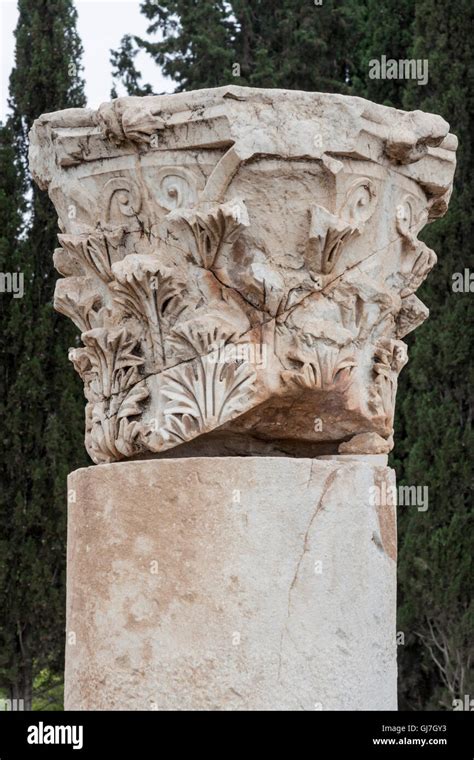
x: 231, y: 583
x: 241, y: 263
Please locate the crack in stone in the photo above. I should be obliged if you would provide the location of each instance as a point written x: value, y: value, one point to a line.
x: 285, y: 313
x: 329, y: 481
x: 319, y: 506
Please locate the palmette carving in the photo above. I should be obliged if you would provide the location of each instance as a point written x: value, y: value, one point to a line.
x: 203, y: 394
x: 231, y: 275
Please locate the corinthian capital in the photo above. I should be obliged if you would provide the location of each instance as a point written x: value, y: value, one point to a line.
x: 242, y: 265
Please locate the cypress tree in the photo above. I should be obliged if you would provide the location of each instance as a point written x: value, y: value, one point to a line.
x: 285, y: 46
x: 437, y: 547
x: 433, y: 426
x: 293, y: 45
x: 258, y: 43
x: 42, y: 403
x: 381, y: 27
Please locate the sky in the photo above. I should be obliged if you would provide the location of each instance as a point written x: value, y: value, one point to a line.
x: 101, y: 24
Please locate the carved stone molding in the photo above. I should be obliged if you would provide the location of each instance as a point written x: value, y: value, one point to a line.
x: 242, y: 261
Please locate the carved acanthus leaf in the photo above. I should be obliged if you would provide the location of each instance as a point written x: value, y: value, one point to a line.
x: 110, y: 437
x: 211, y: 229
x: 112, y: 363
x: 327, y: 236
x: 209, y: 331
x: 110, y: 370
x: 169, y: 282
x: 89, y: 255
x: 423, y: 261
x: 390, y: 357
x: 81, y: 302
x: 413, y: 312
x: 153, y: 295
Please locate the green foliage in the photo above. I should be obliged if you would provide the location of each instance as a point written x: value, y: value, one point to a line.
x: 122, y: 60
x: 434, y: 437
x: 203, y: 43
x: 437, y: 548
x: 383, y: 27
x: 198, y: 43
x: 48, y: 692
x: 294, y: 44
x: 41, y: 399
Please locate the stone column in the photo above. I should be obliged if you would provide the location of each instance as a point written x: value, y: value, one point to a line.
x: 242, y: 265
